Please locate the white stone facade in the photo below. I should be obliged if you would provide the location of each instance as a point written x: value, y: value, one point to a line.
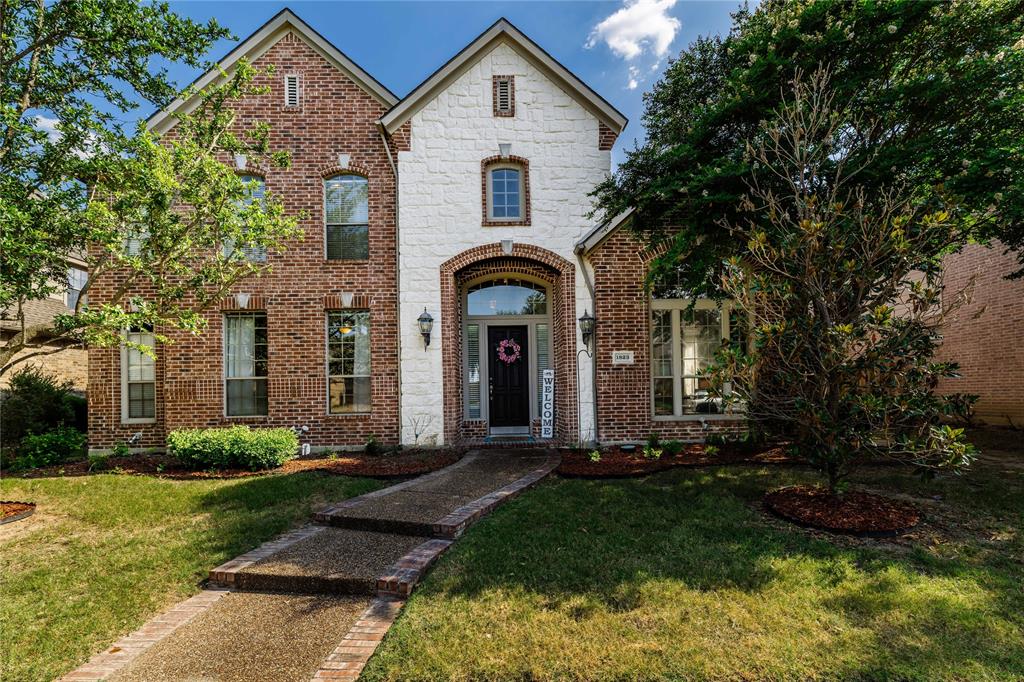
x: 440, y: 207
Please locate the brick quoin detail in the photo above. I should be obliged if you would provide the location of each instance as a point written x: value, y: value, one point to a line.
x: 986, y: 336
x: 605, y: 137
x: 623, y: 323
x: 335, y: 116
x: 525, y: 259
x: 524, y: 166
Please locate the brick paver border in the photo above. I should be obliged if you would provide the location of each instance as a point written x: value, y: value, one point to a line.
x: 349, y: 658
x: 125, y: 650
x: 455, y: 523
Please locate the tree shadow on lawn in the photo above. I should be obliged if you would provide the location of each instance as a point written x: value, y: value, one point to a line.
x: 619, y: 544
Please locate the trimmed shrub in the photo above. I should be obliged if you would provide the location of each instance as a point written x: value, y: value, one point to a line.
x: 53, y: 447
x: 237, y: 447
x: 37, y: 402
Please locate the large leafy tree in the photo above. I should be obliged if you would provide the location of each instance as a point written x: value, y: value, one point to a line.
x: 75, y: 177
x: 945, y: 82
x: 842, y: 286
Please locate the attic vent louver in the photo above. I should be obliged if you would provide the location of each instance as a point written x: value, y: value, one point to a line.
x: 291, y: 91
x: 504, y: 96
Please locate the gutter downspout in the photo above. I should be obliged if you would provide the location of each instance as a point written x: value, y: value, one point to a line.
x: 398, y: 276
x: 593, y: 359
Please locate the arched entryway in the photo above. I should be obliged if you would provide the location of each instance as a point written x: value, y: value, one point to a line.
x: 507, y: 317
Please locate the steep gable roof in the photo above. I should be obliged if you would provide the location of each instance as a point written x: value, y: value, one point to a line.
x: 258, y: 43
x: 503, y: 31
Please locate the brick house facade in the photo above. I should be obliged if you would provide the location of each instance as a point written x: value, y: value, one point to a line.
x: 986, y: 336
x: 335, y: 115
x: 477, y: 216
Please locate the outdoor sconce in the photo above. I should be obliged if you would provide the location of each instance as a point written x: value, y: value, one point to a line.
x: 504, y: 149
x: 587, y: 323
x: 426, y: 323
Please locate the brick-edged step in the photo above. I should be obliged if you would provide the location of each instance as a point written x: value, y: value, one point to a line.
x: 444, y: 507
x: 330, y: 561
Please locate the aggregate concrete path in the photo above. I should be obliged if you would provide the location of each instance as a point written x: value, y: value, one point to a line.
x: 250, y: 636
x: 301, y: 607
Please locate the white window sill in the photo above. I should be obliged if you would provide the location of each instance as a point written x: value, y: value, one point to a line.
x: 365, y: 413
x: 140, y: 420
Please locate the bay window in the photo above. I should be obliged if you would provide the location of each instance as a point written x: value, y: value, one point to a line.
x: 683, y: 345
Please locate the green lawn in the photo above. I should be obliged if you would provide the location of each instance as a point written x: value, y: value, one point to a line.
x: 680, y: 576
x: 104, y: 553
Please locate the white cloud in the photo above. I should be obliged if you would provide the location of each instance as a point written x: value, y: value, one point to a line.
x: 49, y: 125
x: 638, y: 26
x: 634, y: 75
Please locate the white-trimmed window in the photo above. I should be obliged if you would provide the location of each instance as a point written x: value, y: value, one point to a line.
x: 348, y: 361
x: 254, y: 254
x: 77, y: 277
x: 245, y: 364
x: 291, y: 90
x: 683, y: 344
x: 505, y: 193
x: 138, y: 378
x: 347, y: 213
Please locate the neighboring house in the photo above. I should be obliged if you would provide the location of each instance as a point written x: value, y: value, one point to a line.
x: 462, y: 208
x: 69, y: 364
x: 986, y: 336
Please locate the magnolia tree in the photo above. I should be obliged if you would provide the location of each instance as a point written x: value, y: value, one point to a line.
x: 151, y: 215
x: 843, y: 291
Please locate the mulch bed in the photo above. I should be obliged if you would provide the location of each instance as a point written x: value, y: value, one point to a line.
x: 619, y: 463
x: 409, y: 463
x: 853, y: 513
x: 15, y: 511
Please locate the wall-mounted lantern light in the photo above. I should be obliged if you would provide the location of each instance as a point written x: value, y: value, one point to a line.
x: 504, y: 149
x: 426, y: 323
x: 587, y: 324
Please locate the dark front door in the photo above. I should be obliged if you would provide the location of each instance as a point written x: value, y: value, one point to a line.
x: 509, y: 376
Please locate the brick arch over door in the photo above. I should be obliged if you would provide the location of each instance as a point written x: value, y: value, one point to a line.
x: 525, y: 259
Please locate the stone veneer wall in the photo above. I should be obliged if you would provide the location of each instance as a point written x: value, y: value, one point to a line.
x: 987, y: 335
x: 623, y: 324
x: 439, y: 185
x: 335, y: 116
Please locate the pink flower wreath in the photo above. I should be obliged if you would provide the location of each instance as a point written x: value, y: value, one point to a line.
x: 504, y: 355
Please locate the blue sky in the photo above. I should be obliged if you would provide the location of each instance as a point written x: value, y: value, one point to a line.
x: 618, y: 48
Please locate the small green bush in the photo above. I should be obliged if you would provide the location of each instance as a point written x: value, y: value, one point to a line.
x: 372, y: 447
x: 672, y: 448
x: 98, y: 461
x: 237, y: 447
x: 37, y: 402
x: 53, y: 447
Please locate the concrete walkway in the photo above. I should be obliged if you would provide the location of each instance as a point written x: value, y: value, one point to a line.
x: 313, y: 604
